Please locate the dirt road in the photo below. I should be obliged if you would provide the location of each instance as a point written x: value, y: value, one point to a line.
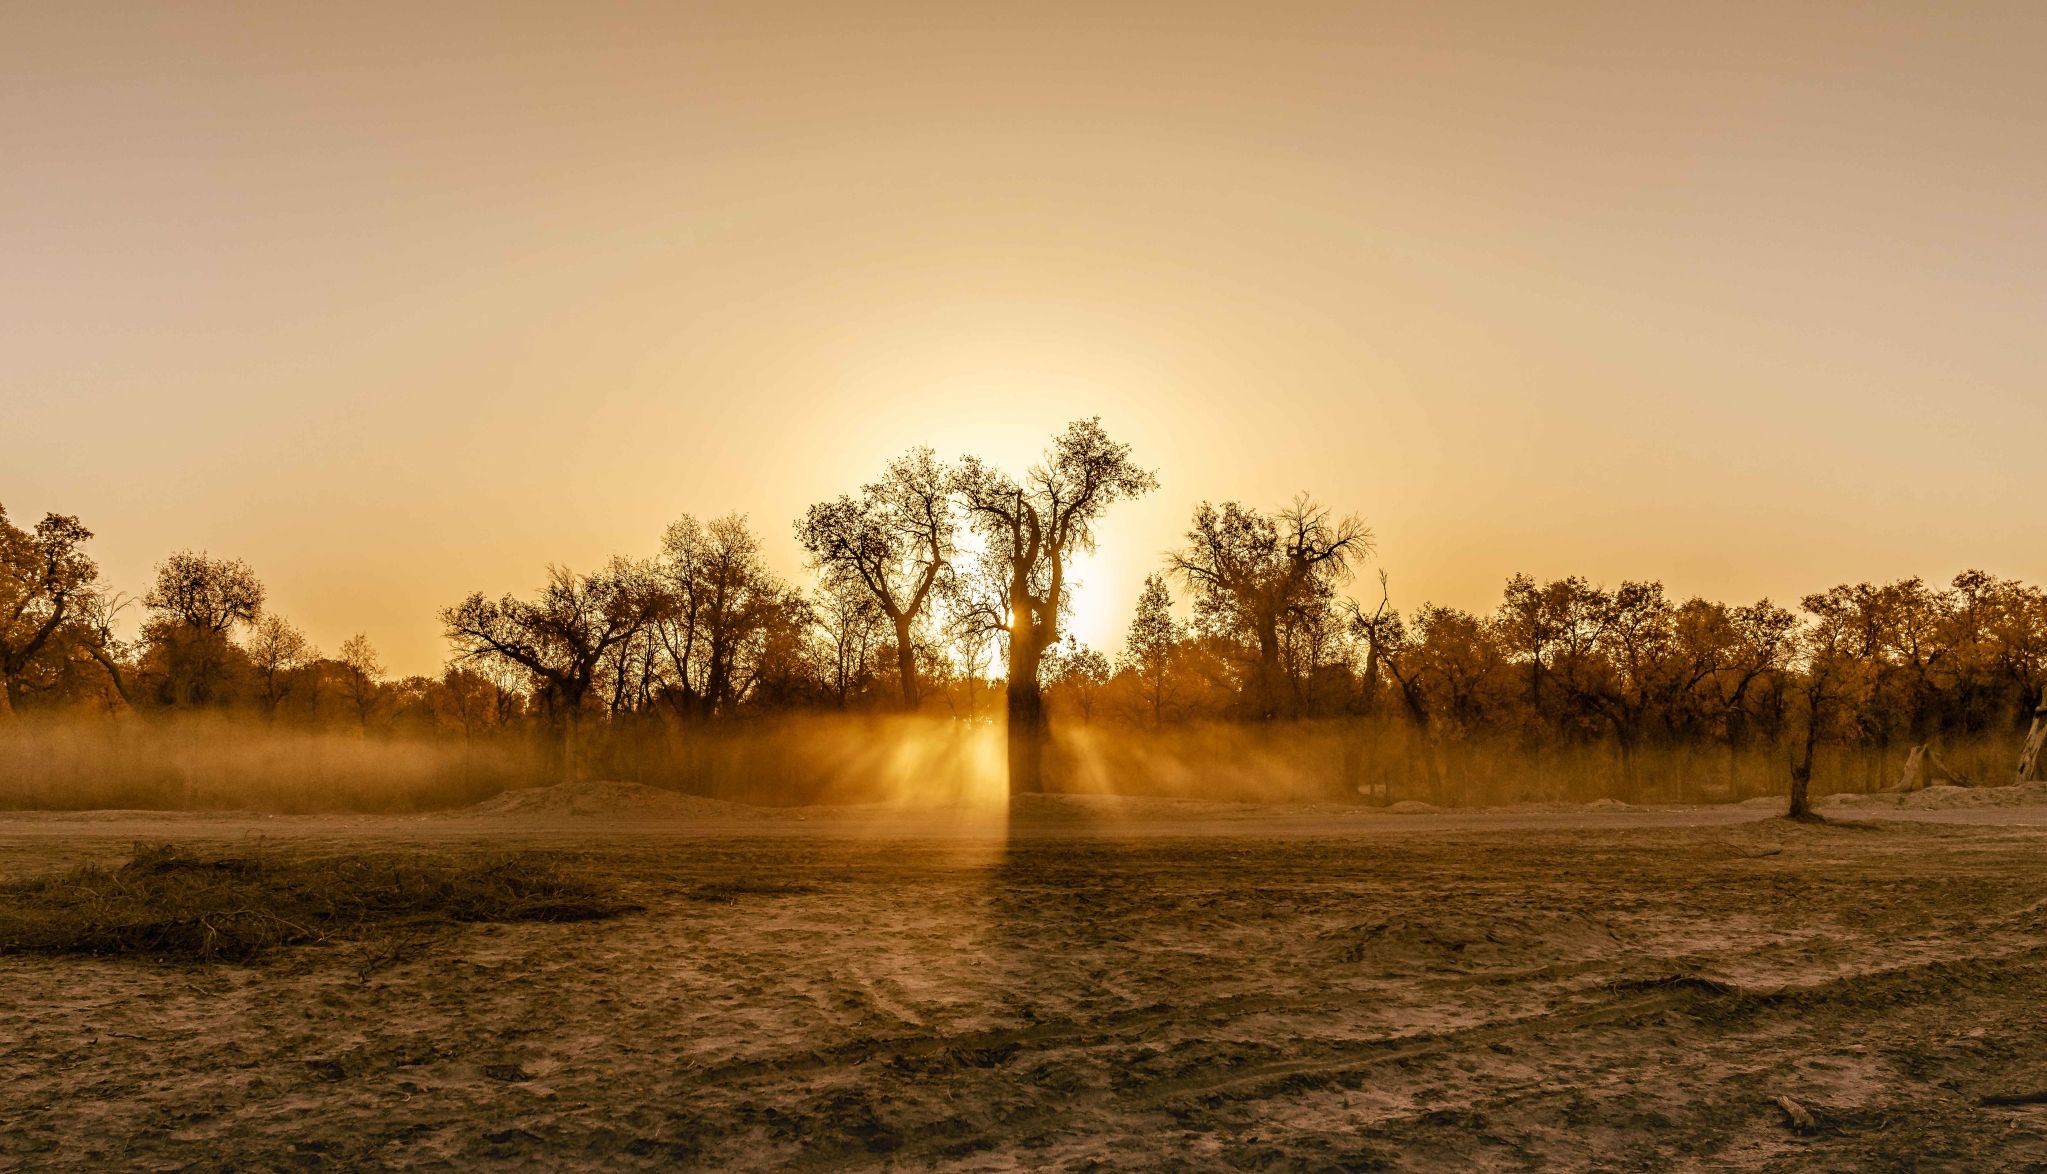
x: 1291, y: 989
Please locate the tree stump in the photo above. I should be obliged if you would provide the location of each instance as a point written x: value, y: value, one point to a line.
x: 2030, y: 766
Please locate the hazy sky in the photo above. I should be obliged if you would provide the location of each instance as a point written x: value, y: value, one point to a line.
x: 400, y: 301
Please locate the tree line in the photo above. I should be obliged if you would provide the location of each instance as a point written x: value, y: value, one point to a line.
x: 944, y: 588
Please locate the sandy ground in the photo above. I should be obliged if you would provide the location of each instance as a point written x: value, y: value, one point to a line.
x: 1132, y: 984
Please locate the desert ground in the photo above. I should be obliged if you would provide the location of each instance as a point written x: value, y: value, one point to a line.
x: 1085, y: 983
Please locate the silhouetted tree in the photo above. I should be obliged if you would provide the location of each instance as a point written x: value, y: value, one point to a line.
x: 1077, y: 673
x: 1032, y: 528
x: 195, y: 605
x: 558, y: 639
x: 44, y: 576
x: 1626, y: 669
x: 850, y: 624
x: 1151, y: 644
x: 362, y: 671
x: 1827, y: 684
x: 719, y: 601
x: 895, y: 539
x: 470, y: 701
x: 1254, y: 575
x: 277, y: 651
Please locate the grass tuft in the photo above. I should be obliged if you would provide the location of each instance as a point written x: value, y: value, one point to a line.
x: 175, y: 903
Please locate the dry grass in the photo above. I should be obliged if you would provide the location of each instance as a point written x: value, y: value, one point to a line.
x: 172, y: 903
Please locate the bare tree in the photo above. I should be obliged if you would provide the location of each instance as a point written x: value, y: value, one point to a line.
x: 850, y: 623
x: 278, y: 651
x: 1825, y: 691
x: 719, y: 601
x: 1032, y: 528
x: 1079, y: 674
x: 558, y: 639
x: 896, y: 539
x: 1249, y: 571
x: 362, y: 672
x: 100, y: 644
x: 470, y: 700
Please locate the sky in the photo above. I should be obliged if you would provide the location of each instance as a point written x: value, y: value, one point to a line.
x: 399, y: 302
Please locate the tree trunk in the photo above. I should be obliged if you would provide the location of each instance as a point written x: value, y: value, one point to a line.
x: 906, y: 664
x: 2031, y: 765
x: 113, y: 673
x: 1624, y: 738
x: 1026, y: 732
x: 1266, y: 685
x: 1801, y: 781
x: 571, y: 737
x: 1801, y: 776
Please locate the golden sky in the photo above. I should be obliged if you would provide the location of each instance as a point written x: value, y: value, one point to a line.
x: 400, y: 301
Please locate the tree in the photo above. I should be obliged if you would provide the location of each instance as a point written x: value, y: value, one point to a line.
x: 278, y: 651
x: 1629, y: 669
x: 206, y: 594
x: 44, y: 576
x: 558, y: 639
x: 1151, y: 646
x: 1449, y: 671
x: 719, y: 601
x: 976, y: 621
x: 1031, y: 529
x: 362, y: 671
x: 849, y: 622
x: 1821, y: 692
x: 1078, y: 673
x: 470, y: 700
x: 1253, y: 575
x: 1758, y: 642
x: 895, y: 540
x: 195, y: 604
x: 99, y: 643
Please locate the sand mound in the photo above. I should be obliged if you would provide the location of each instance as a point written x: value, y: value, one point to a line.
x: 1944, y: 798
x: 606, y: 800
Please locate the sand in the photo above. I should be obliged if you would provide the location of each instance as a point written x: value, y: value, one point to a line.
x: 1137, y: 984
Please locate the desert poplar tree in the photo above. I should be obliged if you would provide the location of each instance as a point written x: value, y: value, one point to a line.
x: 1249, y: 571
x: 558, y: 639
x: 44, y: 578
x: 362, y: 672
x: 195, y: 604
x: 1032, y: 529
x: 896, y: 540
x: 277, y: 650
